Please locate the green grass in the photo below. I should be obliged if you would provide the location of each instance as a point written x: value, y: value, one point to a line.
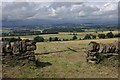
x: 64, y: 64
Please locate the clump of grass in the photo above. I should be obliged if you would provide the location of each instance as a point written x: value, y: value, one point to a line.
x: 112, y: 61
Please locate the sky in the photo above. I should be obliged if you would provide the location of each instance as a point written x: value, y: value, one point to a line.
x: 53, y: 12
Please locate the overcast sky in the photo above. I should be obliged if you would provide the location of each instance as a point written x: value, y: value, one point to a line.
x: 60, y: 11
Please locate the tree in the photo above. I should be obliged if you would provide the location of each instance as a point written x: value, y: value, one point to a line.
x: 87, y: 36
x: 56, y: 39
x: 101, y: 36
x: 39, y: 39
x: 50, y: 38
x: 96, y: 32
x: 109, y: 35
x: 12, y: 39
x: 9, y: 39
x: 65, y: 39
x: 74, y: 37
x: 117, y: 35
x: 93, y: 36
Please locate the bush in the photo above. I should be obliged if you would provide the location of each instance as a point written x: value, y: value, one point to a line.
x: 54, y: 39
x: 65, y: 39
x: 9, y: 39
x: 50, y: 38
x: 93, y: 36
x: 101, y: 36
x: 87, y: 36
x: 13, y: 39
x: 74, y: 37
x: 109, y: 35
x: 39, y: 39
x: 117, y: 35
x: 96, y: 32
x: 59, y: 39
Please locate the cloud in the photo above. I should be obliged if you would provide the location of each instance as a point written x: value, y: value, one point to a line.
x: 52, y: 12
x: 59, y: 10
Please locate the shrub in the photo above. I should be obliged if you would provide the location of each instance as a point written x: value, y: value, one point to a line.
x: 50, y: 38
x: 96, y: 32
x: 93, y: 36
x: 117, y: 35
x: 87, y: 36
x: 65, y: 39
x: 74, y: 37
x: 9, y: 39
x: 39, y: 39
x: 109, y: 35
x: 12, y: 39
x: 59, y: 39
x: 54, y: 39
x: 101, y: 36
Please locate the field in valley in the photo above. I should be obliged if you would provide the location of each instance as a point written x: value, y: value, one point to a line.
x: 65, y: 35
x: 65, y: 59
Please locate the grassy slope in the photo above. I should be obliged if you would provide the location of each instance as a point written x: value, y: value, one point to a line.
x: 71, y: 63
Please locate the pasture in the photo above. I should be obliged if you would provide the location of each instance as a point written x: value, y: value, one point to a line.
x: 65, y: 59
x: 65, y: 35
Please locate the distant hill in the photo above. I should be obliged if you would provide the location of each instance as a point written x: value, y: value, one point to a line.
x: 62, y: 22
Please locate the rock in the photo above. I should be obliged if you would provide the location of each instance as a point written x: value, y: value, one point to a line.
x: 98, y: 51
x: 20, y: 53
x: 93, y: 46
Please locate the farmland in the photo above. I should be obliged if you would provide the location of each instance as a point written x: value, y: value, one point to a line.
x: 65, y: 59
x: 65, y: 35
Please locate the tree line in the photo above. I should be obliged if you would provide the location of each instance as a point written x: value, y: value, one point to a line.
x: 102, y: 36
x: 74, y: 37
x: 27, y: 32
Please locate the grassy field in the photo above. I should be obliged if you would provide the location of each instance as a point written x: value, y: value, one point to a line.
x: 65, y: 59
x: 65, y: 35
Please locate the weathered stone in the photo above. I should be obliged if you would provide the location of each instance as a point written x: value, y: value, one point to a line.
x: 20, y: 53
x: 6, y: 48
x: 93, y: 46
x: 98, y: 51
